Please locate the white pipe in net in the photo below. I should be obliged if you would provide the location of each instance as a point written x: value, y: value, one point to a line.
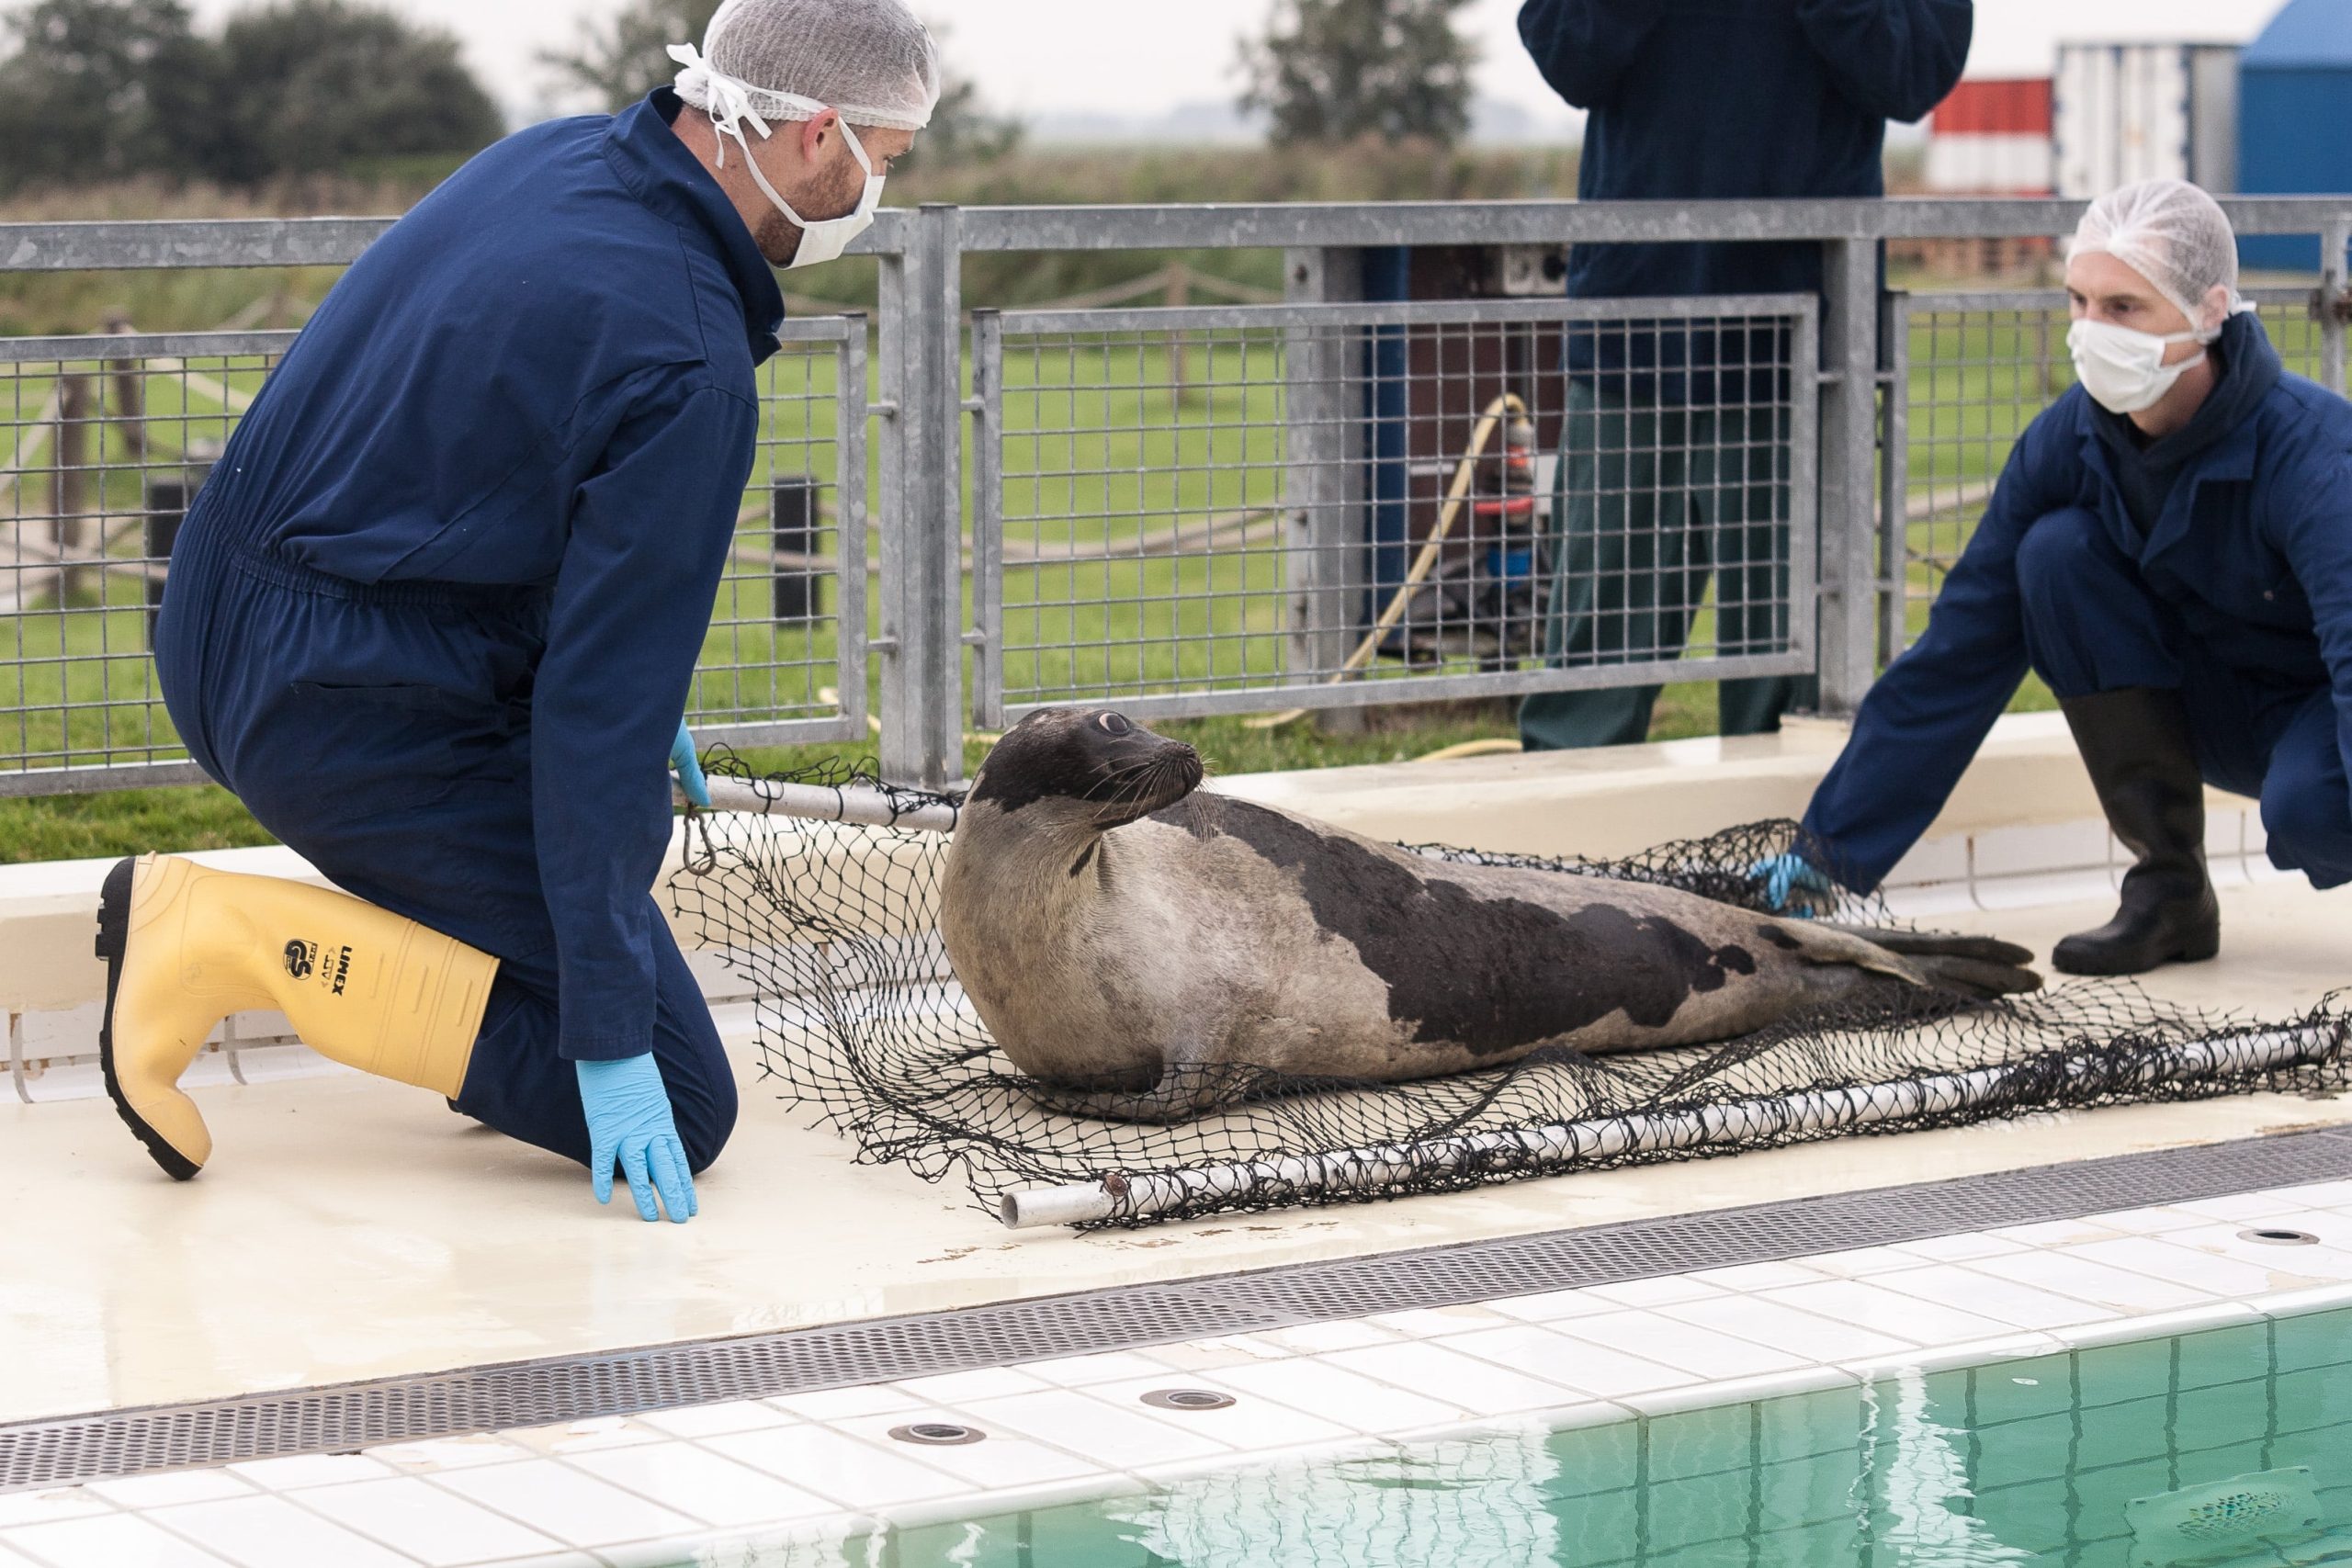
x: 827, y: 803
x: 1296, y: 1176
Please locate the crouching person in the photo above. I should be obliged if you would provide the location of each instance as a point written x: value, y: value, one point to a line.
x: 434, y: 616
x: 2170, y: 547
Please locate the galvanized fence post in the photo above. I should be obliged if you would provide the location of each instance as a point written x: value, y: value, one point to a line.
x: 1849, y: 439
x: 922, y: 532
x: 2333, y: 301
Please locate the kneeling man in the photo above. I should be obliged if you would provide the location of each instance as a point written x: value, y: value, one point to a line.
x: 2170, y: 547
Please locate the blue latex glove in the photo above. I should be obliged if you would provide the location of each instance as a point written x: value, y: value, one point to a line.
x: 683, y: 758
x: 629, y: 1121
x: 1786, y: 876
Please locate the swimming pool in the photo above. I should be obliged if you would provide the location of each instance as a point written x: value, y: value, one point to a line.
x: 2225, y: 1448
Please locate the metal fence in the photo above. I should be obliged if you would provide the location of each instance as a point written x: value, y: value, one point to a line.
x: 1169, y: 505
x: 1326, y: 502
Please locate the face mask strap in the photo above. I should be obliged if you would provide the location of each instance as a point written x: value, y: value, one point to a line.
x: 730, y: 104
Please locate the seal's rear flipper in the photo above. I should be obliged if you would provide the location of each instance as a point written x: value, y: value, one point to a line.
x: 1940, y: 944
x: 1980, y: 967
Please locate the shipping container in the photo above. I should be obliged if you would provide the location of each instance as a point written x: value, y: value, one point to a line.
x: 1991, y: 137
x: 2122, y: 112
x: 2295, y: 120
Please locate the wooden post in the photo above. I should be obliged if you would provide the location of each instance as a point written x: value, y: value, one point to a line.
x: 130, y: 394
x: 72, y: 523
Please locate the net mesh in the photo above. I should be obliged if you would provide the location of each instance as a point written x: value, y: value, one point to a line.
x: 861, y: 1021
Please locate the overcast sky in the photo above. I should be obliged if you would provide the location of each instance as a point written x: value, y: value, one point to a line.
x: 1136, y: 57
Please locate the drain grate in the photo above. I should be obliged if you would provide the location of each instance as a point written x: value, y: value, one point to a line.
x: 329, y: 1420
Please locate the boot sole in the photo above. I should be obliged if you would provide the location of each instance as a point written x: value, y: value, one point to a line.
x: 114, y: 935
x: 2198, y: 951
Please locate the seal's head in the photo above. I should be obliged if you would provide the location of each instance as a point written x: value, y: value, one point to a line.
x: 1088, y: 768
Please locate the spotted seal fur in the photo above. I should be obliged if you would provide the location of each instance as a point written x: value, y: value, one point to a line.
x: 1131, y: 940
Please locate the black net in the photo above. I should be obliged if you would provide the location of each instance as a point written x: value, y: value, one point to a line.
x: 861, y: 1021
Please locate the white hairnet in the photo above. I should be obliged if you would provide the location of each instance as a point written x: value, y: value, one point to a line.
x: 869, y: 59
x: 2171, y: 234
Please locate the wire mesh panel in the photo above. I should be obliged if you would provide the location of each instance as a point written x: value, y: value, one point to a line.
x: 1973, y: 371
x: 1235, y: 508
x: 786, y: 657
x: 105, y: 440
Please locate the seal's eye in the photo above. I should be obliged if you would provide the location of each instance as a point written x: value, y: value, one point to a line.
x: 1114, y: 724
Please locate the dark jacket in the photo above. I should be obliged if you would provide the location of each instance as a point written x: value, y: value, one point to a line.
x: 541, y: 379
x: 1692, y: 99
x: 2250, y: 549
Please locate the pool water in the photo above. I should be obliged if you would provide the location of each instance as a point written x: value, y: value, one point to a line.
x: 2226, y: 1448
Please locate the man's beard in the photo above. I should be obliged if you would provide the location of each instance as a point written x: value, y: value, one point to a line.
x: 778, y: 237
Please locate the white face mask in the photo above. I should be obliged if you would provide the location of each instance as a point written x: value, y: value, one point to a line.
x: 821, y: 239
x: 2123, y: 370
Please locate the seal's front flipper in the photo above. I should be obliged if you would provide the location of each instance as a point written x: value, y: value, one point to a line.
x: 1188, y: 1086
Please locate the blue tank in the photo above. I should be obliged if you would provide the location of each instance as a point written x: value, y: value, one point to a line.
x: 2294, y: 100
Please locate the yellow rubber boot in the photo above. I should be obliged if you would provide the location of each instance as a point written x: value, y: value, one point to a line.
x: 186, y: 946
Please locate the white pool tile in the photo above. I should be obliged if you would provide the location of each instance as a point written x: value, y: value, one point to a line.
x: 551, y: 1496
x: 840, y: 1403
x: 1758, y: 1276
x: 2151, y: 1222
x: 436, y: 1454
x: 715, y: 1420
x: 2318, y: 1194
x: 49, y: 1508
x: 1552, y: 1306
x: 1111, y: 1365
x: 1958, y: 1248
x: 109, y: 1541
x: 1860, y: 1261
x: 1208, y: 1355
x: 1596, y: 1370
x: 588, y: 1436
x: 2249, y: 1207
x: 1432, y: 1322
x: 1095, y: 1429
x: 1987, y: 1295
x: 1335, y: 1393
x: 1003, y: 1461
x: 429, y: 1524
x: 1785, y: 1328
x: 310, y: 1470
x: 1667, y: 1341
x: 1868, y: 1304
x: 271, y: 1532
x: 2323, y: 1262
x: 140, y: 1492
x: 1480, y: 1387
x: 1252, y: 1423
x: 1348, y: 1333
x: 713, y: 1489
x: 2158, y: 1324
x: 2120, y: 1289
x: 962, y: 1388
x: 837, y: 1467
x: 2052, y: 1233
x: 1664, y: 1291
x: 2011, y: 1347
x: 2164, y: 1258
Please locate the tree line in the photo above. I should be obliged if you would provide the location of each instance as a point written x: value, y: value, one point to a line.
x: 96, y: 91
x: 102, y: 90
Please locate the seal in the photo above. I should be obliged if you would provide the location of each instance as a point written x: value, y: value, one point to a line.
x: 1143, y: 950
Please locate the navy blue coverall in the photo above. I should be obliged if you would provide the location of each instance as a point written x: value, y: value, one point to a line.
x: 2236, y: 590
x: 1693, y: 99
x: 434, y: 614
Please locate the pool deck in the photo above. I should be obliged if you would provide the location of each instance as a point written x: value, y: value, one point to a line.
x: 349, y: 1229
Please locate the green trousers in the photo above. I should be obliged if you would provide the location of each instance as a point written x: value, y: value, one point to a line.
x: 1651, y: 504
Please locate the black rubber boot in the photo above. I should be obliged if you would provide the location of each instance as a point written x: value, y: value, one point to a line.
x: 2142, y: 762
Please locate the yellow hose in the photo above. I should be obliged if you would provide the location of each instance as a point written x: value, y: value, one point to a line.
x: 1494, y: 747
x: 1465, y: 472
